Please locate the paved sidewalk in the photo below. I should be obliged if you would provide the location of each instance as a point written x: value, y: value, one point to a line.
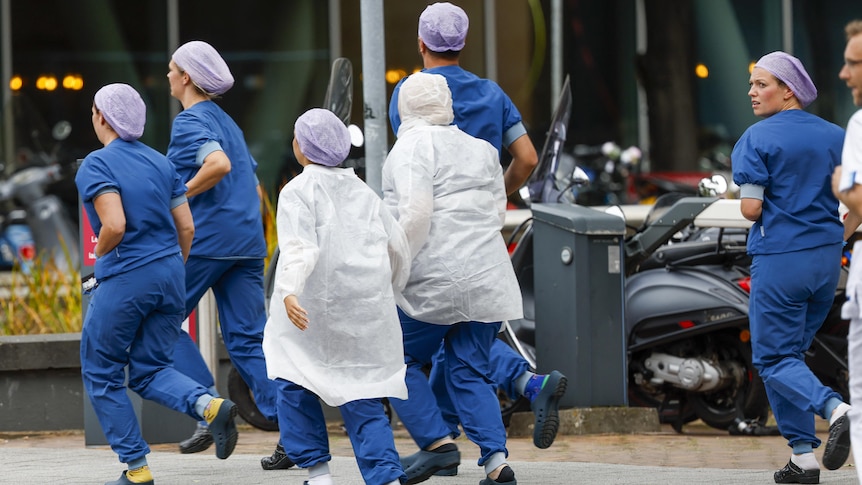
x: 701, y: 455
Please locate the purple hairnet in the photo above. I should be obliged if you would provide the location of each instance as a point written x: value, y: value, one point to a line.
x: 791, y: 72
x: 204, y: 66
x: 123, y: 109
x: 443, y: 27
x: 322, y: 137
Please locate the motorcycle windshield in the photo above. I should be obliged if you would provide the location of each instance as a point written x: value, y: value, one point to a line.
x: 339, y: 92
x: 541, y: 181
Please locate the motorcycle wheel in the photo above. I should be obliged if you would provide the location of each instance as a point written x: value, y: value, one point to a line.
x: 720, y: 409
x: 247, y: 409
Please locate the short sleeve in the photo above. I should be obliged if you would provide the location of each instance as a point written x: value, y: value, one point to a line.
x: 94, y: 178
x: 188, y: 135
x: 749, y: 167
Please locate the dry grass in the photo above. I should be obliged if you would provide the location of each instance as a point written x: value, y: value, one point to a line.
x: 44, y: 300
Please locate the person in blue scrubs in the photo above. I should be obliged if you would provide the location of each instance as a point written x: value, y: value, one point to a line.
x: 137, y: 206
x: 446, y: 190
x: 484, y: 111
x: 783, y: 165
x: 227, y: 255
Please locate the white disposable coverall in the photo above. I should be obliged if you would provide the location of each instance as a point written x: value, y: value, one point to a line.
x: 341, y: 254
x: 446, y: 189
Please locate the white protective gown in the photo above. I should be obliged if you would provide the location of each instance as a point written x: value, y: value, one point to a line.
x: 341, y: 254
x: 446, y: 189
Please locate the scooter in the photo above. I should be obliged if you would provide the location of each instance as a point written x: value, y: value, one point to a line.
x: 53, y: 237
x: 686, y: 317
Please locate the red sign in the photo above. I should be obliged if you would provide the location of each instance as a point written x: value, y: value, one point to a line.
x: 89, y: 239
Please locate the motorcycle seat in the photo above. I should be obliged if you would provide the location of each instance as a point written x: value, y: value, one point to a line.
x: 691, y: 253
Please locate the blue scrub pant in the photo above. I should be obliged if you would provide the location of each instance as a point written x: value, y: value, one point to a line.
x: 506, y: 366
x: 238, y: 288
x: 305, y: 439
x: 791, y: 294
x: 467, y: 375
x: 133, y: 320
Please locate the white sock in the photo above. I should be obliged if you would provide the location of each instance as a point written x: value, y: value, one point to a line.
x: 806, y: 461
x: 841, y: 410
x: 325, y: 479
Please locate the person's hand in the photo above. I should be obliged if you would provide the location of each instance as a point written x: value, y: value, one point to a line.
x: 296, y: 313
x: 836, y: 180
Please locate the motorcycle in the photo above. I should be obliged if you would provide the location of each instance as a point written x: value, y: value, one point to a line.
x: 686, y: 315
x: 38, y: 225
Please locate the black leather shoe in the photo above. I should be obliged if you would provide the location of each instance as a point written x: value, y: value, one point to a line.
x: 199, y: 441
x: 278, y: 460
x: 793, y: 474
x: 838, y: 444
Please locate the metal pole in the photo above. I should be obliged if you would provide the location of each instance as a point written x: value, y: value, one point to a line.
x: 556, y: 51
x: 643, y: 116
x: 490, y: 39
x: 173, y: 43
x: 6, y: 73
x: 787, y: 26
x: 374, y: 91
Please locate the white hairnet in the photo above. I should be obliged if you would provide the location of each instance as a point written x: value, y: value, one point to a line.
x: 123, y: 109
x: 427, y: 97
x: 322, y: 137
x: 204, y: 66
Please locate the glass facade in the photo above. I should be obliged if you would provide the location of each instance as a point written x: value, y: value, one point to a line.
x: 56, y: 54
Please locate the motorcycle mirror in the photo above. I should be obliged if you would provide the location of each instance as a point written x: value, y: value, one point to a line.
x: 580, y: 177
x: 712, y: 187
x: 357, y: 139
x: 524, y: 192
x: 61, y: 130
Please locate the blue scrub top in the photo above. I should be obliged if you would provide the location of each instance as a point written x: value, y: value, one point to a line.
x: 147, y: 184
x: 481, y: 107
x: 227, y: 217
x: 792, y: 155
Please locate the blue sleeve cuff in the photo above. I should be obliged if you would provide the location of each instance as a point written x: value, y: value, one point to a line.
x: 751, y: 191
x: 178, y: 201
x: 516, y: 131
x: 205, y: 150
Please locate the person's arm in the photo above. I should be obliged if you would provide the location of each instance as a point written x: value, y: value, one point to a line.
x: 185, y: 227
x: 109, y: 207
x: 524, y: 160
x: 751, y: 208
x: 216, y: 165
x: 853, y: 219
